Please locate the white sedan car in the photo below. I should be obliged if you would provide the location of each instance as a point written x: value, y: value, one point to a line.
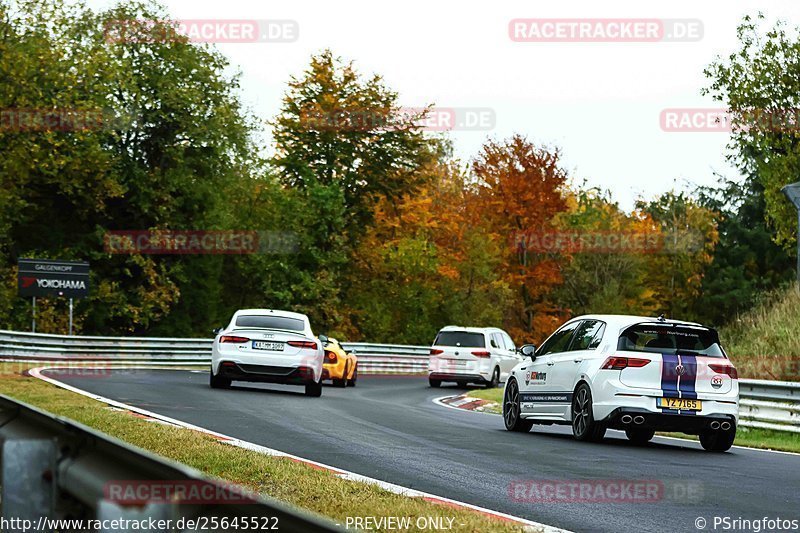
x: 268, y: 346
x: 635, y: 374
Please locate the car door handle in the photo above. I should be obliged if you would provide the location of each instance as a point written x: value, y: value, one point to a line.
x: 551, y: 363
x: 578, y: 360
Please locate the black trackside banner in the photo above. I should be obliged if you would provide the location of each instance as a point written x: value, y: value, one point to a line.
x: 48, y: 277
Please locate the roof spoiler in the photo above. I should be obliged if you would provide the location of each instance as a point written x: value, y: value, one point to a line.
x: 662, y: 324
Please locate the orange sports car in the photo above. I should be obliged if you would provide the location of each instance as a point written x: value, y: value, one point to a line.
x: 339, y: 365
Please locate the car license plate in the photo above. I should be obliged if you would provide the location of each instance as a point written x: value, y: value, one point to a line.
x: 264, y: 345
x: 680, y: 403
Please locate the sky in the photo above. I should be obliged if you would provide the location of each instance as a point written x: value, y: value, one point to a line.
x: 600, y: 103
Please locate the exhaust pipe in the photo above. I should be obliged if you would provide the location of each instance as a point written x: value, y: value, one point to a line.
x: 714, y: 425
x: 638, y: 420
x: 626, y: 419
x: 726, y: 426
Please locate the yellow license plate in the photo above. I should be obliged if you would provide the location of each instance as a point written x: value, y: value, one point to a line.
x: 680, y: 403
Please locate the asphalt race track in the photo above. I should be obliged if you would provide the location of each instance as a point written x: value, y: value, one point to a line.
x: 388, y: 428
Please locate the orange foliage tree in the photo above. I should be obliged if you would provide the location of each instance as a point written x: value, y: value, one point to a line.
x: 518, y: 190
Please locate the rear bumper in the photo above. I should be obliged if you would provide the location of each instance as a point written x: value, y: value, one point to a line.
x: 609, y: 396
x: 299, y: 375
x: 451, y: 376
x: 683, y: 423
x: 333, y: 371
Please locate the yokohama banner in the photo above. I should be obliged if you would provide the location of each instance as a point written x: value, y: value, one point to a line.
x: 47, y: 277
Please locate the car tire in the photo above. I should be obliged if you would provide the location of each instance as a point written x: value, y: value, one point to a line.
x: 314, y: 389
x: 718, y: 441
x: 352, y: 381
x: 584, y: 426
x: 639, y: 435
x: 495, y: 379
x: 217, y: 382
x: 511, y: 409
x: 435, y: 383
x: 341, y: 383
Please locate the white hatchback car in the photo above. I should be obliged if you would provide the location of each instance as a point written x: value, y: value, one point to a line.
x: 471, y: 355
x: 635, y: 374
x: 268, y: 346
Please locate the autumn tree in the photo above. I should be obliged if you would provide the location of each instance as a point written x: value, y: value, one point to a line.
x: 518, y: 189
x: 689, y: 235
x: 601, y: 279
x: 428, y: 262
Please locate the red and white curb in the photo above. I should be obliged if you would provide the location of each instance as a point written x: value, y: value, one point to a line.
x: 527, y: 525
x: 465, y: 403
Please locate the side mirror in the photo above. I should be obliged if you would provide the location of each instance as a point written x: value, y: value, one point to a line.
x: 216, y: 331
x: 528, y: 350
x: 323, y: 338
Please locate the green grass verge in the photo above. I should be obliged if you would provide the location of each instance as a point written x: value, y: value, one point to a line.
x: 752, y: 437
x: 764, y: 439
x: 763, y: 343
x: 286, y: 480
x: 493, y: 395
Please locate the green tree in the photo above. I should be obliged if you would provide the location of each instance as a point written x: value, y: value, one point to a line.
x: 760, y: 86
x: 340, y: 129
x: 746, y: 262
x: 342, y: 144
x: 169, y: 143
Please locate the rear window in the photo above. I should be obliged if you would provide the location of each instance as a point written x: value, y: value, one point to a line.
x: 464, y: 339
x: 667, y: 339
x: 270, y: 322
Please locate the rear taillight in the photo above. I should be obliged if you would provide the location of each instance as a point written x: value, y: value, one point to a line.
x: 302, y: 344
x: 620, y: 363
x: 233, y: 339
x: 436, y: 351
x: 725, y: 369
x: 330, y: 357
x: 303, y: 372
x: 481, y: 353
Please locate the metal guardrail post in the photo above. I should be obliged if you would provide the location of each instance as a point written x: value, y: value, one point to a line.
x: 28, y: 491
